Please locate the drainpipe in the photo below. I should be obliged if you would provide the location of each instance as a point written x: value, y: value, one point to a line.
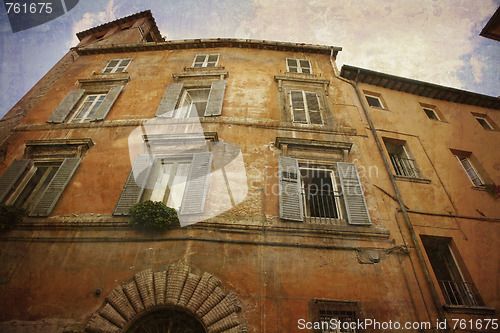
x: 399, y: 198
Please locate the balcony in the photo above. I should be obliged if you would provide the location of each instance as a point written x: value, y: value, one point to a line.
x: 461, y: 293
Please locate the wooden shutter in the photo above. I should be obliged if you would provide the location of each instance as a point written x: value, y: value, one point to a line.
x: 289, y: 188
x: 313, y: 108
x: 135, y: 184
x: 297, y: 107
x: 68, y: 103
x: 56, y: 187
x: 215, y: 99
x: 193, y: 201
x: 169, y: 100
x: 352, y: 192
x: 11, y: 176
x: 107, y: 103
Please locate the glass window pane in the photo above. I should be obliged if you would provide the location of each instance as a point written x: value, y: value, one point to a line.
x: 312, y: 102
x: 178, y: 185
x: 161, y: 182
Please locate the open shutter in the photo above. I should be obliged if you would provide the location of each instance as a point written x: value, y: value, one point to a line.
x: 215, y: 99
x: 352, y: 192
x: 193, y: 201
x: 289, y: 187
x: 68, y: 103
x: 169, y: 100
x: 11, y: 176
x: 135, y: 184
x: 56, y: 187
x: 107, y: 103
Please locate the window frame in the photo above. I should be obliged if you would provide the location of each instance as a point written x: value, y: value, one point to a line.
x: 299, y: 67
x: 484, y: 121
x: 408, y: 169
x: 182, y: 100
x: 376, y: 97
x: 205, y: 62
x: 478, y: 176
x: 115, y: 68
x: 306, y: 107
x: 94, y: 106
x: 435, y: 115
x: 337, y: 192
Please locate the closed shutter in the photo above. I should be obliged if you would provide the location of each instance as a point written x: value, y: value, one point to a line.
x: 56, y: 187
x: 135, y: 184
x: 107, y: 103
x: 11, y: 176
x: 215, y: 99
x: 289, y: 188
x: 169, y: 100
x: 68, y: 103
x: 193, y: 201
x: 352, y: 192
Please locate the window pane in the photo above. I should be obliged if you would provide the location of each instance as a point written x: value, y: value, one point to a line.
x: 304, y: 64
x: 178, y: 185
x: 373, y: 101
x: 315, y: 118
x: 312, y: 102
x: 297, y: 100
x: 161, y: 182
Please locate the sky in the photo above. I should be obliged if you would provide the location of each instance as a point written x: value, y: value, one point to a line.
x: 435, y: 41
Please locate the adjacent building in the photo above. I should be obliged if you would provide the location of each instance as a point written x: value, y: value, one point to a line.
x: 307, y: 196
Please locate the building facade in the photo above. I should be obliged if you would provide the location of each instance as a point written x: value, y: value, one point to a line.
x: 307, y: 196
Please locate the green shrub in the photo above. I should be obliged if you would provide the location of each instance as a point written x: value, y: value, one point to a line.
x: 10, y: 215
x: 154, y: 216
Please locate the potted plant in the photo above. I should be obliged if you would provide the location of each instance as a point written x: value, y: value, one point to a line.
x: 154, y: 216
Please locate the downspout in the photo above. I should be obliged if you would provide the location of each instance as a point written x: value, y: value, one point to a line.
x: 399, y: 198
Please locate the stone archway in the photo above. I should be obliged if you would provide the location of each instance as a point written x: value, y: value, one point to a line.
x: 176, y: 287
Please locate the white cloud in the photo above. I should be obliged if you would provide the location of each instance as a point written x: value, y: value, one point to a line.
x: 477, y: 68
x: 91, y: 20
x: 427, y: 40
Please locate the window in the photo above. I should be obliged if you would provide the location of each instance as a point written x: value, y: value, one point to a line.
x: 431, y: 113
x: 456, y: 288
x: 320, y: 193
x: 167, y: 182
x: 469, y: 170
x: 193, y: 103
x: 298, y: 66
x: 316, y: 193
x: 81, y: 105
x: 180, y: 101
x: 374, y: 100
x: 36, y: 186
x: 305, y: 107
x: 180, y: 184
x: 87, y: 109
x: 343, y: 314
x: 401, y: 159
x: 206, y: 60
x: 484, y: 122
x: 117, y: 66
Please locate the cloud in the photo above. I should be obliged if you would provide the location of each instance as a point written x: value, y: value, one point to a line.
x: 91, y: 20
x: 477, y: 65
x: 426, y: 40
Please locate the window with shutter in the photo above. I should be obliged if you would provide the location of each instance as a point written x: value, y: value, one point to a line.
x: 11, y: 177
x: 187, y: 102
x: 352, y: 193
x: 290, y: 189
x: 116, y: 66
x: 305, y: 107
x: 206, y: 60
x: 178, y: 183
x: 298, y: 66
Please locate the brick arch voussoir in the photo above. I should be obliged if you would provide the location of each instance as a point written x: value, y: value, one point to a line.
x: 199, y: 295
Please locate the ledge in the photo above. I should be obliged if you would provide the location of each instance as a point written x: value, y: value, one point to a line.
x: 313, y: 143
x: 222, y: 74
x: 485, y: 310
x: 413, y: 179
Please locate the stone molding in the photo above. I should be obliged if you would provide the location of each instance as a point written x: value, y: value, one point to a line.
x: 177, y: 287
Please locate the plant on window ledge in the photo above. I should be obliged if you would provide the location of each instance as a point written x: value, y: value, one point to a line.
x: 493, y: 189
x: 154, y: 216
x: 10, y: 215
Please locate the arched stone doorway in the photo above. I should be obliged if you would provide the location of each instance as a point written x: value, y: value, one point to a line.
x: 175, y: 296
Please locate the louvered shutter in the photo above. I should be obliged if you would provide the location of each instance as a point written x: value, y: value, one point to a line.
x: 107, y: 103
x: 352, y: 192
x: 11, y: 176
x: 193, y: 201
x: 65, y: 107
x: 289, y: 188
x: 135, y: 184
x: 215, y: 99
x: 169, y: 100
x: 56, y: 187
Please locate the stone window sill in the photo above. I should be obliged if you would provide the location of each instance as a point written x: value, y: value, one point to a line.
x: 486, y: 310
x: 413, y: 179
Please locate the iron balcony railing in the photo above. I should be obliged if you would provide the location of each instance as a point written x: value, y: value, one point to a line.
x: 460, y: 293
x: 404, y: 166
x: 321, y: 206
